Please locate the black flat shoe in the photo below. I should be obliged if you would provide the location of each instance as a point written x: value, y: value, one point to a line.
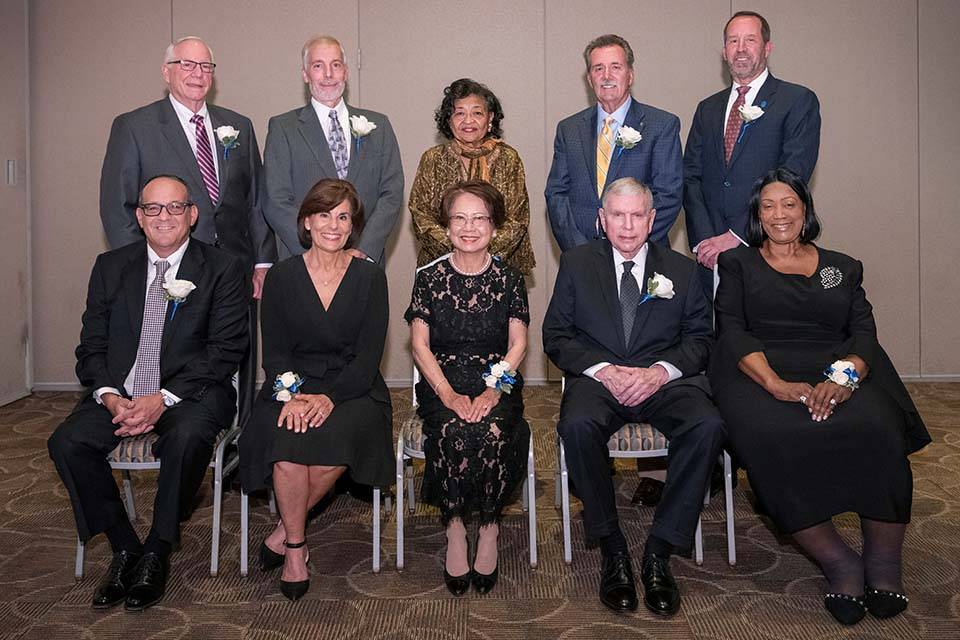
x: 618, y: 589
x: 269, y: 559
x: 112, y: 589
x: 844, y: 608
x: 149, y: 582
x: 294, y: 590
x: 484, y: 582
x: 884, y: 604
x: 457, y: 585
x: 660, y: 592
x: 648, y: 492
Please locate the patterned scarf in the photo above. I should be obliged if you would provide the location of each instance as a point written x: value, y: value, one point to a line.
x: 478, y: 159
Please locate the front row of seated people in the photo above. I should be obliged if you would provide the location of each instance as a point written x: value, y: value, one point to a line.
x: 802, y: 393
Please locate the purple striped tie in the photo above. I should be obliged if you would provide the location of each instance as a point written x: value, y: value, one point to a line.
x: 205, y: 159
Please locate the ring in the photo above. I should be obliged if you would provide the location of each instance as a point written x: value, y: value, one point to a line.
x: 803, y: 399
x: 833, y: 401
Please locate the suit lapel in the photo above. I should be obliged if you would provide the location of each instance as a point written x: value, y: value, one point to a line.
x: 718, y: 124
x: 587, y: 128
x: 191, y: 268
x: 633, y: 120
x: 357, y: 151
x: 223, y: 158
x: 135, y: 290
x: 313, y: 135
x: 763, y: 99
x: 607, y: 276
x: 173, y: 131
x: 651, y: 264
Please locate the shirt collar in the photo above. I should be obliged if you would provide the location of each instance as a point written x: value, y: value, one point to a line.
x: 322, y: 109
x: 184, y: 113
x: 173, y: 260
x: 619, y: 115
x: 639, y: 259
x: 754, y: 84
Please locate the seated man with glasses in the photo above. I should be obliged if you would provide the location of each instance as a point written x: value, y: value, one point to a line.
x: 164, y: 329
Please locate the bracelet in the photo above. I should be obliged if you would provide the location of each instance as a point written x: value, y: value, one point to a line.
x: 844, y: 374
x: 500, y: 376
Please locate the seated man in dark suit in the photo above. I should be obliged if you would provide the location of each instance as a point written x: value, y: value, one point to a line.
x: 156, y: 355
x: 630, y: 327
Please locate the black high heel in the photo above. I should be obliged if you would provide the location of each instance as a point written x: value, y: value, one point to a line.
x: 269, y: 559
x: 294, y: 590
x: 457, y: 585
x: 484, y: 582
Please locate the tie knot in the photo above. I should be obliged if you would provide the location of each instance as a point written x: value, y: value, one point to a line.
x: 742, y: 91
x: 162, y: 266
x: 627, y: 266
x: 197, y: 119
x: 333, y: 115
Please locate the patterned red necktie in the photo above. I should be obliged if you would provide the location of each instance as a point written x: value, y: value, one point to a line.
x: 205, y: 159
x: 734, y: 121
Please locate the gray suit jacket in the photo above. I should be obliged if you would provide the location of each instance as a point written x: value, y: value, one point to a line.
x: 297, y: 155
x: 149, y: 141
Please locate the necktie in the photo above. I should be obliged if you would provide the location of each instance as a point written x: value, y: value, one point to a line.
x: 338, y: 145
x: 146, y: 379
x: 629, y: 298
x: 604, y: 152
x: 205, y: 160
x: 732, y: 131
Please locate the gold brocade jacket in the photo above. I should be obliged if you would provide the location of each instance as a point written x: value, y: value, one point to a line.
x: 441, y: 167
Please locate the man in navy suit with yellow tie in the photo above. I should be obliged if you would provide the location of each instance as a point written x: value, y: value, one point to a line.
x: 618, y: 137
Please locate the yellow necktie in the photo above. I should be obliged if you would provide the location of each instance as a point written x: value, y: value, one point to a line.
x: 604, y: 151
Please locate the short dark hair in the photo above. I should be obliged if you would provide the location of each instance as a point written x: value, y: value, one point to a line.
x: 491, y: 196
x: 168, y: 176
x: 460, y: 89
x: 811, y: 225
x: 325, y: 196
x: 608, y: 40
x: 764, y: 25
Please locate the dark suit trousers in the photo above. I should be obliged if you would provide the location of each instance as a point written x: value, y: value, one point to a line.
x: 79, y: 448
x: 589, y: 415
x: 247, y: 383
x: 706, y: 279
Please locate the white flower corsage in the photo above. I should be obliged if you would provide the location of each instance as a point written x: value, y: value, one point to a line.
x: 843, y: 373
x: 227, y: 136
x: 360, y: 127
x: 500, y: 376
x: 176, y: 291
x: 627, y: 138
x: 286, y: 384
x: 659, y: 286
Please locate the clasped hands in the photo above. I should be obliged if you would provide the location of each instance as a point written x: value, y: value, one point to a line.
x: 134, y: 415
x: 710, y: 249
x: 303, y: 411
x: 821, y: 401
x: 466, y: 409
x: 632, y: 385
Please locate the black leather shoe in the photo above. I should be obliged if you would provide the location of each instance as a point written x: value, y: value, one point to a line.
x: 648, y: 492
x: 618, y: 590
x: 149, y: 583
x: 458, y: 585
x: 660, y: 592
x: 884, y: 604
x: 112, y: 589
x: 269, y: 559
x: 294, y: 590
x: 845, y: 609
x: 484, y: 582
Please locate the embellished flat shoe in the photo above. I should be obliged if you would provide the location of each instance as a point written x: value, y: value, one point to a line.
x: 884, y: 604
x: 844, y: 608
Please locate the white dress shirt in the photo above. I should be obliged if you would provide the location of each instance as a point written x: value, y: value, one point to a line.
x: 750, y: 96
x: 323, y: 114
x: 184, y: 114
x: 173, y: 260
x: 639, y: 264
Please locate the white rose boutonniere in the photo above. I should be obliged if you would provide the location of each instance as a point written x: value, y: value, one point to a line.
x: 659, y: 286
x: 360, y: 127
x: 176, y: 291
x: 285, y: 385
x: 627, y: 138
x: 227, y: 136
x: 751, y: 113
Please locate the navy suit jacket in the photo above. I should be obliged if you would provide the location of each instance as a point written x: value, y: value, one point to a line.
x: 149, y: 141
x: 715, y: 195
x: 656, y: 161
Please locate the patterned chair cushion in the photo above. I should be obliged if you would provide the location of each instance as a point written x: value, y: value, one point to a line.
x: 139, y: 449
x: 637, y: 437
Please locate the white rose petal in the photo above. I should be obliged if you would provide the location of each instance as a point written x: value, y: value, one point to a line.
x: 361, y: 126
x: 226, y: 131
x: 628, y: 137
x: 663, y: 286
x: 284, y: 396
x: 497, y: 370
x: 288, y: 379
x: 491, y: 381
x: 178, y: 288
x: 839, y: 377
x: 751, y: 113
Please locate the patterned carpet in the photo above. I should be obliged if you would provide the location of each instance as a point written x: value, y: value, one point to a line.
x: 773, y: 592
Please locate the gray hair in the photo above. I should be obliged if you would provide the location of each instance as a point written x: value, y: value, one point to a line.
x: 627, y: 187
x: 608, y: 40
x: 320, y: 39
x: 168, y: 54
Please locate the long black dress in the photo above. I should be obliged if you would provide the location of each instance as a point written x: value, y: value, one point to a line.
x: 805, y: 472
x: 471, y: 468
x: 337, y: 351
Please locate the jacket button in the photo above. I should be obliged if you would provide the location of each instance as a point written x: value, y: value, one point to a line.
x: 726, y: 183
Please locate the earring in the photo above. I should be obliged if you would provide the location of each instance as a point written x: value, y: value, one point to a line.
x: 448, y: 233
x: 494, y: 235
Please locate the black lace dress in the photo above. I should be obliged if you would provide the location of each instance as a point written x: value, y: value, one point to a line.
x: 471, y: 468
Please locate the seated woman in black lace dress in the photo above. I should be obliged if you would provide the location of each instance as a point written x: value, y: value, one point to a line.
x: 468, y: 327
x: 814, y: 408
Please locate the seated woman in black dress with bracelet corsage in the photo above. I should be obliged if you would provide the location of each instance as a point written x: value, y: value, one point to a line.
x: 468, y: 327
x: 324, y: 408
x: 814, y: 408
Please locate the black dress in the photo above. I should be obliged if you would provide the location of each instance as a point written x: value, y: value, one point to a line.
x: 805, y: 472
x: 471, y: 468
x: 337, y: 351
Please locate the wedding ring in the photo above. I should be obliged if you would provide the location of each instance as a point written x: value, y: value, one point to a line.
x: 833, y: 401
x: 803, y: 399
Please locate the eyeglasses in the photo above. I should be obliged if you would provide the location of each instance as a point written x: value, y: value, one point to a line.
x: 460, y: 220
x: 190, y: 65
x: 174, y: 208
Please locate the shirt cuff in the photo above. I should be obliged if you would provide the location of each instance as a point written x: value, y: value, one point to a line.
x: 697, y: 248
x: 263, y: 265
x: 672, y: 371
x: 591, y: 372
x: 742, y: 241
x: 168, y: 398
x: 102, y: 390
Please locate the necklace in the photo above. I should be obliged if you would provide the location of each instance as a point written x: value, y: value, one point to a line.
x: 486, y: 265
x: 337, y: 269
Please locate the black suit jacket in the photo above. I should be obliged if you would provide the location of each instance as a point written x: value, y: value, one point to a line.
x: 715, y: 195
x: 584, y: 325
x: 202, y: 344
x: 149, y: 141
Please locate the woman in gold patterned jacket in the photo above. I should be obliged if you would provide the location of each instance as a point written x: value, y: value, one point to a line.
x: 469, y: 117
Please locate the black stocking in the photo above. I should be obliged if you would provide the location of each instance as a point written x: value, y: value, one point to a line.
x: 882, y: 547
x: 840, y: 564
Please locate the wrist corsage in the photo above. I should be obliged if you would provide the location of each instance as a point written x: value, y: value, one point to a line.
x: 500, y: 376
x: 843, y: 373
x: 286, y: 385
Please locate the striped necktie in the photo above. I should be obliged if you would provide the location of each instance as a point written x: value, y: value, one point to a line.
x: 205, y: 160
x: 604, y: 152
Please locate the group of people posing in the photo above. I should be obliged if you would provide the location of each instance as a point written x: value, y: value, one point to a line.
x: 792, y: 380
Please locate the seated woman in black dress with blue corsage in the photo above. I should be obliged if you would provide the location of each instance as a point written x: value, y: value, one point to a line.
x: 468, y: 327
x: 814, y: 408
x: 324, y: 408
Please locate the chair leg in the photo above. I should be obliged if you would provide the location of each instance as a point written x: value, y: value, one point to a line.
x: 400, y: 512
x: 376, y: 529
x: 128, y: 494
x: 78, y: 562
x: 530, y: 493
x: 217, y: 512
x: 728, y: 498
x: 698, y: 543
x: 565, y: 502
x: 244, y: 532
x: 411, y: 499
x: 273, y: 502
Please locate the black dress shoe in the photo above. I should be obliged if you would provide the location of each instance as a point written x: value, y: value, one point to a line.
x: 660, y: 592
x: 149, y: 582
x: 845, y: 609
x: 618, y: 590
x: 484, y: 582
x: 884, y: 604
x: 112, y: 590
x: 648, y: 492
x: 458, y: 585
x: 294, y: 590
x: 269, y: 559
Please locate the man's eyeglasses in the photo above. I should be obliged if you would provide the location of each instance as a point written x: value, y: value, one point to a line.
x: 190, y: 65
x: 174, y: 208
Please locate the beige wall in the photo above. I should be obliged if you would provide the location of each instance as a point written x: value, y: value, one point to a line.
x: 885, y: 183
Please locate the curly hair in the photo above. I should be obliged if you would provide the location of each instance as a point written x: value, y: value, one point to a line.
x: 460, y: 89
